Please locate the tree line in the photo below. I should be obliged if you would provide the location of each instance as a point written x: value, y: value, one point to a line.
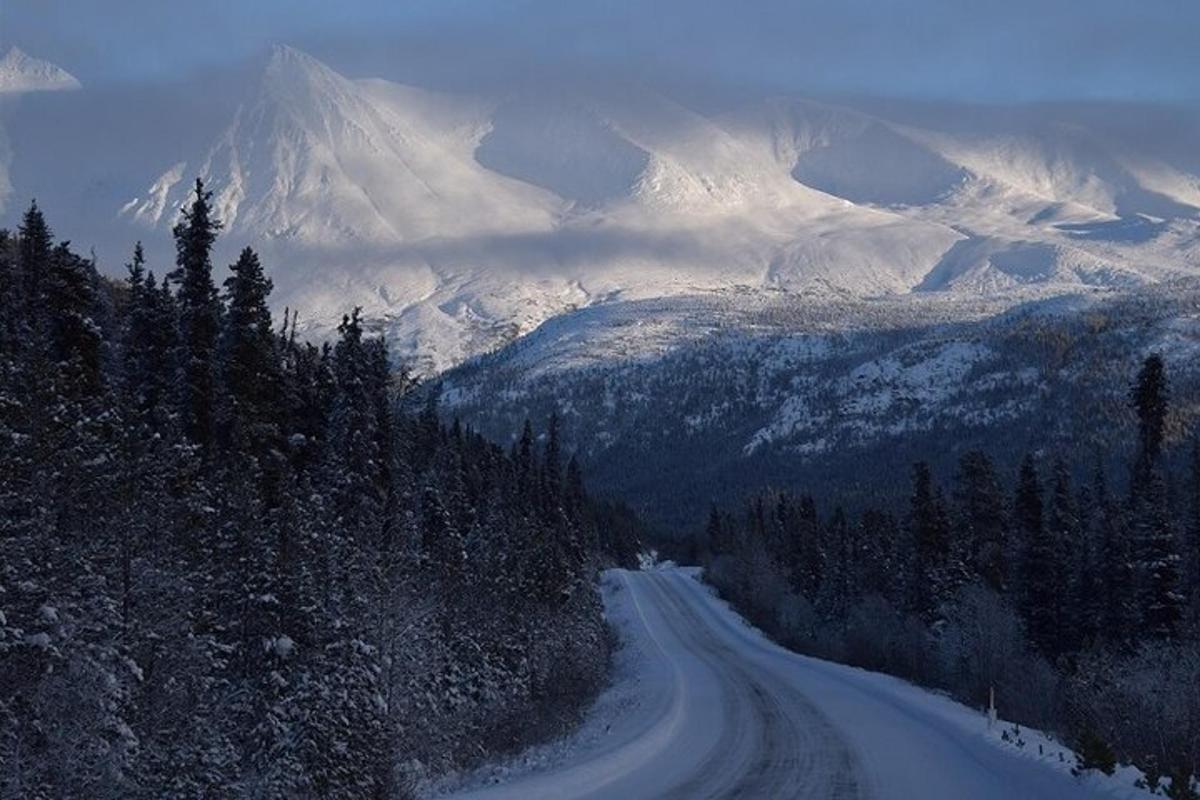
x: 231, y: 566
x: 1077, y: 602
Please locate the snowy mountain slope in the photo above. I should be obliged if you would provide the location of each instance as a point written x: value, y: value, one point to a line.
x: 20, y: 72
x: 1055, y: 205
x: 460, y: 221
x: 467, y: 221
x: 672, y: 402
x: 316, y: 158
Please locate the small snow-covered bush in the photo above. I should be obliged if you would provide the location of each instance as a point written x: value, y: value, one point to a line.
x: 1146, y: 704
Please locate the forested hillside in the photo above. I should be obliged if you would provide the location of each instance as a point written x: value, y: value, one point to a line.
x: 678, y: 403
x: 1077, y: 602
x: 229, y: 567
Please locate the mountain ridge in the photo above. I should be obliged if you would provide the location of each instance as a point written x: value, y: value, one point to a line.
x: 460, y: 221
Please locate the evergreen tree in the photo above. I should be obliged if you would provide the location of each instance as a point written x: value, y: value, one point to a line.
x: 575, y: 496
x: 1149, y: 399
x: 355, y: 463
x: 35, y: 242
x: 879, y: 557
x: 810, y: 559
x: 837, y: 586
x: 1027, y: 504
x: 552, y: 461
x: 199, y: 316
x: 1115, y: 558
x: 1039, y: 561
x: 981, y: 518
x: 72, y: 306
x: 148, y: 343
x: 1158, y: 564
x: 135, y: 278
x: 525, y: 459
x: 1085, y: 607
x: 714, y: 533
x: 931, y: 539
x: 250, y: 368
x: 1061, y: 542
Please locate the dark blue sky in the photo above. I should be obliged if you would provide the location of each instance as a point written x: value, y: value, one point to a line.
x: 940, y: 49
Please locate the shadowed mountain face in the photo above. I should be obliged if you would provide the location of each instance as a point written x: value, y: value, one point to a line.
x: 879, y: 166
x: 565, y: 148
x: 459, y: 221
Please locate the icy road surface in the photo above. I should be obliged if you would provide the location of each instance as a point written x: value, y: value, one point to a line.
x: 719, y: 711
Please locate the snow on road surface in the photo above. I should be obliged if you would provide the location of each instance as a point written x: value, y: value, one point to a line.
x: 710, y: 708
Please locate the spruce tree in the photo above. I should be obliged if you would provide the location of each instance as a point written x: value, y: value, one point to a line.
x: 1158, y: 564
x: 1063, y: 549
x: 199, y: 316
x: 837, y: 586
x: 931, y: 539
x: 355, y: 462
x: 135, y: 331
x: 1159, y: 587
x: 1085, y: 607
x: 1115, y: 559
x: 809, y: 547
x: 440, y: 540
x: 35, y: 242
x: 250, y: 366
x: 575, y: 496
x: 1039, y: 561
x: 148, y: 344
x: 526, y: 460
x: 72, y: 307
x: 981, y: 518
x: 552, y: 461
x: 714, y: 533
x: 878, y: 537
x: 1149, y: 397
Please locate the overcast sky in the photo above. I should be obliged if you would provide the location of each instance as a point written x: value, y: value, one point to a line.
x: 1002, y: 50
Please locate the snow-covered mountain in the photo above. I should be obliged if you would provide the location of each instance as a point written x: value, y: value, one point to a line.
x: 20, y: 72
x: 461, y: 221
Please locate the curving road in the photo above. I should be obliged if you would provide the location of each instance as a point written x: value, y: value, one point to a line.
x: 723, y: 713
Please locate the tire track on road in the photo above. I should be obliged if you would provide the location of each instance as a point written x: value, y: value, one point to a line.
x: 796, y: 752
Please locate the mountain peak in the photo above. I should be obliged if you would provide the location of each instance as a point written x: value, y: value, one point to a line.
x: 288, y: 63
x: 285, y: 55
x: 21, y: 72
x: 294, y: 78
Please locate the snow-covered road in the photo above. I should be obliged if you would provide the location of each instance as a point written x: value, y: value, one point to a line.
x: 719, y: 711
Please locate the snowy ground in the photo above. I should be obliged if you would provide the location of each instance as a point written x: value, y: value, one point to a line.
x: 704, y: 706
